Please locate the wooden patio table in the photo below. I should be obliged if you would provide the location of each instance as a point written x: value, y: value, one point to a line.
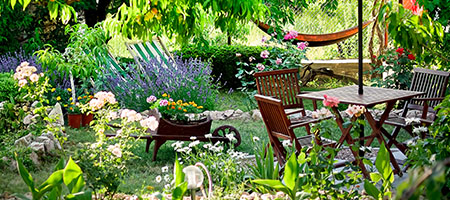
x: 371, y: 97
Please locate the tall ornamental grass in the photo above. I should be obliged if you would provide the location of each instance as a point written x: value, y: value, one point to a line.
x: 187, y: 80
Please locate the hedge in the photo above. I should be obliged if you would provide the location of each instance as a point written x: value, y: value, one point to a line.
x: 223, y: 60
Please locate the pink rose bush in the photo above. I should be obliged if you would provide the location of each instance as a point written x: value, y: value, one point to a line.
x: 330, y: 101
x: 260, y: 67
x: 302, y: 45
x: 25, y: 74
x: 100, y: 100
x: 291, y: 35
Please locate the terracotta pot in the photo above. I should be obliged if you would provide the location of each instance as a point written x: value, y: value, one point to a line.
x: 74, y: 120
x: 195, y: 128
x: 86, y: 119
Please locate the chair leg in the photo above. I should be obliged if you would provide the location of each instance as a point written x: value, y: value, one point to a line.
x: 158, y: 144
x: 147, y: 146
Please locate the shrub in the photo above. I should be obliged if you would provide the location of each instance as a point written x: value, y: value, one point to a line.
x: 9, y: 89
x: 190, y: 80
x: 223, y: 60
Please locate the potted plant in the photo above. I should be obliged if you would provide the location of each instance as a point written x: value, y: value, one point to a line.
x: 74, y: 115
x: 87, y: 115
x: 174, y: 116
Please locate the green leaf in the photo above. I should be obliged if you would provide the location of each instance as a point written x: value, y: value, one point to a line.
x: 13, y: 3
x: 382, y: 163
x: 53, y: 9
x: 21, y: 196
x: 179, y: 191
x: 291, y: 172
x: 73, y: 177
x: 375, y: 177
x: 53, y: 181
x: 26, y: 176
x: 178, y: 173
x: 85, y: 195
x: 25, y: 4
x: 371, y: 189
x: 275, y: 184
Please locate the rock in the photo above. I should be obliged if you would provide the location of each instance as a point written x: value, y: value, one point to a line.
x: 41, y: 139
x: 13, y: 165
x: 57, y: 145
x: 228, y: 113
x: 49, y: 135
x: 57, y: 114
x: 256, y: 115
x: 38, y: 147
x: 27, y: 119
x: 24, y: 141
x: 49, y: 145
x: 238, y: 112
x: 35, y: 159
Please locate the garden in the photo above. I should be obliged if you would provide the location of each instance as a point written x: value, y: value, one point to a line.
x: 232, y: 99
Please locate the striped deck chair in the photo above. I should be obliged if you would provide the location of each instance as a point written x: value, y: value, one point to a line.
x: 144, y: 51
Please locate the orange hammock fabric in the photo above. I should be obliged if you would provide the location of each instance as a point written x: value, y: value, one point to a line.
x: 317, y: 40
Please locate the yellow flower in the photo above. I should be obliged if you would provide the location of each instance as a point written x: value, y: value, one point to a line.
x: 200, y: 107
x: 72, y: 103
x: 184, y: 110
x: 164, y: 95
x: 195, y: 105
x: 158, y: 16
x: 87, y: 92
x: 138, y: 19
x: 148, y: 16
x: 173, y: 103
x: 185, y: 104
x: 150, y: 188
x: 68, y: 89
x: 179, y: 102
x: 65, y: 105
x: 79, y: 98
x: 53, y: 89
x: 70, y: 99
x: 58, y: 98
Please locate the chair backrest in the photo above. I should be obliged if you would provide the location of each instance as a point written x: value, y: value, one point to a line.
x: 432, y: 82
x: 144, y: 51
x: 277, y: 123
x: 282, y: 84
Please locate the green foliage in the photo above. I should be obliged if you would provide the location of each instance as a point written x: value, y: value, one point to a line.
x: 398, y: 65
x: 70, y: 175
x: 416, y: 33
x: 312, y: 177
x: 223, y: 60
x: 429, y: 151
x: 264, y: 166
x: 9, y: 90
x: 384, y: 174
x: 56, y: 9
x: 180, y: 183
x: 79, y: 57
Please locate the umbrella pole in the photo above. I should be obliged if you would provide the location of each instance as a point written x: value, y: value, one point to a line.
x: 360, y: 47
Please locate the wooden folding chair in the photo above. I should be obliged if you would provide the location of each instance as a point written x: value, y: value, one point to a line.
x: 280, y: 127
x: 434, y: 84
x: 284, y: 85
x: 145, y: 51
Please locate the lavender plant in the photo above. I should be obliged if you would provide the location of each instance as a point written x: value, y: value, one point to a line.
x: 187, y: 80
x: 9, y: 61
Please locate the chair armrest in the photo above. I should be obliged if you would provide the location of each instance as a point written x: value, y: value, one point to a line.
x: 295, y: 111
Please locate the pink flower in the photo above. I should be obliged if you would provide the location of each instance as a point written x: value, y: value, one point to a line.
x: 34, y: 77
x: 260, y: 67
x: 265, y: 54
x: 22, y: 82
x: 150, y: 123
x: 151, y: 99
x: 354, y: 110
x: 96, y: 104
x: 115, y: 150
x: 264, y: 39
x: 291, y: 35
x: 302, y: 45
x: 279, y: 61
x: 163, y: 102
x: 330, y: 101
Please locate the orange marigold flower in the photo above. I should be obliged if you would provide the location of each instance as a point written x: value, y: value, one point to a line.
x: 154, y: 11
x: 173, y: 107
x: 184, y: 110
x: 200, y: 107
x: 179, y: 108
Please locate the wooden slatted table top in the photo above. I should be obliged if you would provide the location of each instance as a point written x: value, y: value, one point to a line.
x: 371, y: 96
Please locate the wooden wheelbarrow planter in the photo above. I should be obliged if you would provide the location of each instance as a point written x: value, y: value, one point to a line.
x: 168, y: 130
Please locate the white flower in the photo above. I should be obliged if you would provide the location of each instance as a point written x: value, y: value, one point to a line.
x: 410, y: 121
x: 230, y: 136
x: 22, y: 82
x: 177, y: 145
x: 208, y: 135
x: 255, y: 139
x: 112, y: 115
x: 167, y: 186
x: 193, y: 138
x: 207, y: 146
x: 158, y: 179
x: 165, y: 169
x: 194, y: 143
x: 287, y: 143
x: 115, y: 150
x: 421, y: 129
x: 34, y: 78
x: 167, y: 178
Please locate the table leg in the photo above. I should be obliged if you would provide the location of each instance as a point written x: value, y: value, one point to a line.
x: 347, y: 137
x: 376, y: 131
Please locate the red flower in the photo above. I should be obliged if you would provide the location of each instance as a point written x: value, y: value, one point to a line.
x: 399, y: 51
x: 374, y: 56
x: 411, y: 57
